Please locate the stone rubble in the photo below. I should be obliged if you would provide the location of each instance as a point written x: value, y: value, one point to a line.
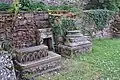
x: 7, y: 71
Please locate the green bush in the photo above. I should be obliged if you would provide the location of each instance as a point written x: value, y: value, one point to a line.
x: 4, y: 6
x: 28, y: 5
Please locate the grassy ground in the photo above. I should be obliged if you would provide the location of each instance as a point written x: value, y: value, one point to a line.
x: 103, y: 63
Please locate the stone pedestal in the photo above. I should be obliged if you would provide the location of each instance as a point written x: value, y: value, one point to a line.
x: 75, y: 43
x: 36, y: 60
x: 46, y: 64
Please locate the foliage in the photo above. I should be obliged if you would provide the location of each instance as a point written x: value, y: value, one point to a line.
x: 15, y: 7
x: 58, y: 29
x: 63, y: 7
x: 103, y: 4
x: 4, y: 6
x: 63, y: 25
x: 69, y: 24
x: 101, y: 64
x: 69, y: 5
x: 100, y: 17
x: 29, y: 5
x: 24, y: 5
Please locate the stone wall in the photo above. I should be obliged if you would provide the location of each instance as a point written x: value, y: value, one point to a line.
x: 115, y: 25
x: 5, y: 25
x: 23, y: 32
x: 90, y: 30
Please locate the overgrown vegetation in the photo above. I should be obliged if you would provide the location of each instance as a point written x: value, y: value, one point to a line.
x: 99, y: 16
x: 103, y: 4
x: 63, y: 25
x: 4, y: 6
x: 96, y: 20
x: 29, y: 5
x: 15, y: 7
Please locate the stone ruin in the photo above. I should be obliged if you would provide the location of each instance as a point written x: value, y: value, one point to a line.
x: 30, y: 35
x: 75, y: 43
x: 27, y: 34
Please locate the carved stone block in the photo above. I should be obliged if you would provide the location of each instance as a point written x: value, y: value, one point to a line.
x: 49, y: 63
x: 31, y: 53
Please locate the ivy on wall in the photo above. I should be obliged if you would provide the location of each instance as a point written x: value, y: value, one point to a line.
x: 100, y: 17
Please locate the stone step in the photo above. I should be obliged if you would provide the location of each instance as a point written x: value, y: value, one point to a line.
x: 72, y: 40
x: 74, y: 31
x: 74, y: 35
x: 49, y: 63
x: 31, y: 53
x: 77, y: 43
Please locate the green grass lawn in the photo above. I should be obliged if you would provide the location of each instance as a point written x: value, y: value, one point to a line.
x: 103, y: 63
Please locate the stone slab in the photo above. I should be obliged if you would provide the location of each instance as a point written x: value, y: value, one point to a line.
x: 74, y: 35
x: 72, y: 40
x: 75, y: 44
x: 73, y: 31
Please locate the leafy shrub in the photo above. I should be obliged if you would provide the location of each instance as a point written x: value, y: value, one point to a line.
x: 4, y: 6
x: 63, y: 25
x: 15, y: 7
x: 28, y: 5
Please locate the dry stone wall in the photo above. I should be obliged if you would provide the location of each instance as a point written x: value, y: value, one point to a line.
x: 115, y: 24
x: 24, y: 30
x: 5, y: 25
